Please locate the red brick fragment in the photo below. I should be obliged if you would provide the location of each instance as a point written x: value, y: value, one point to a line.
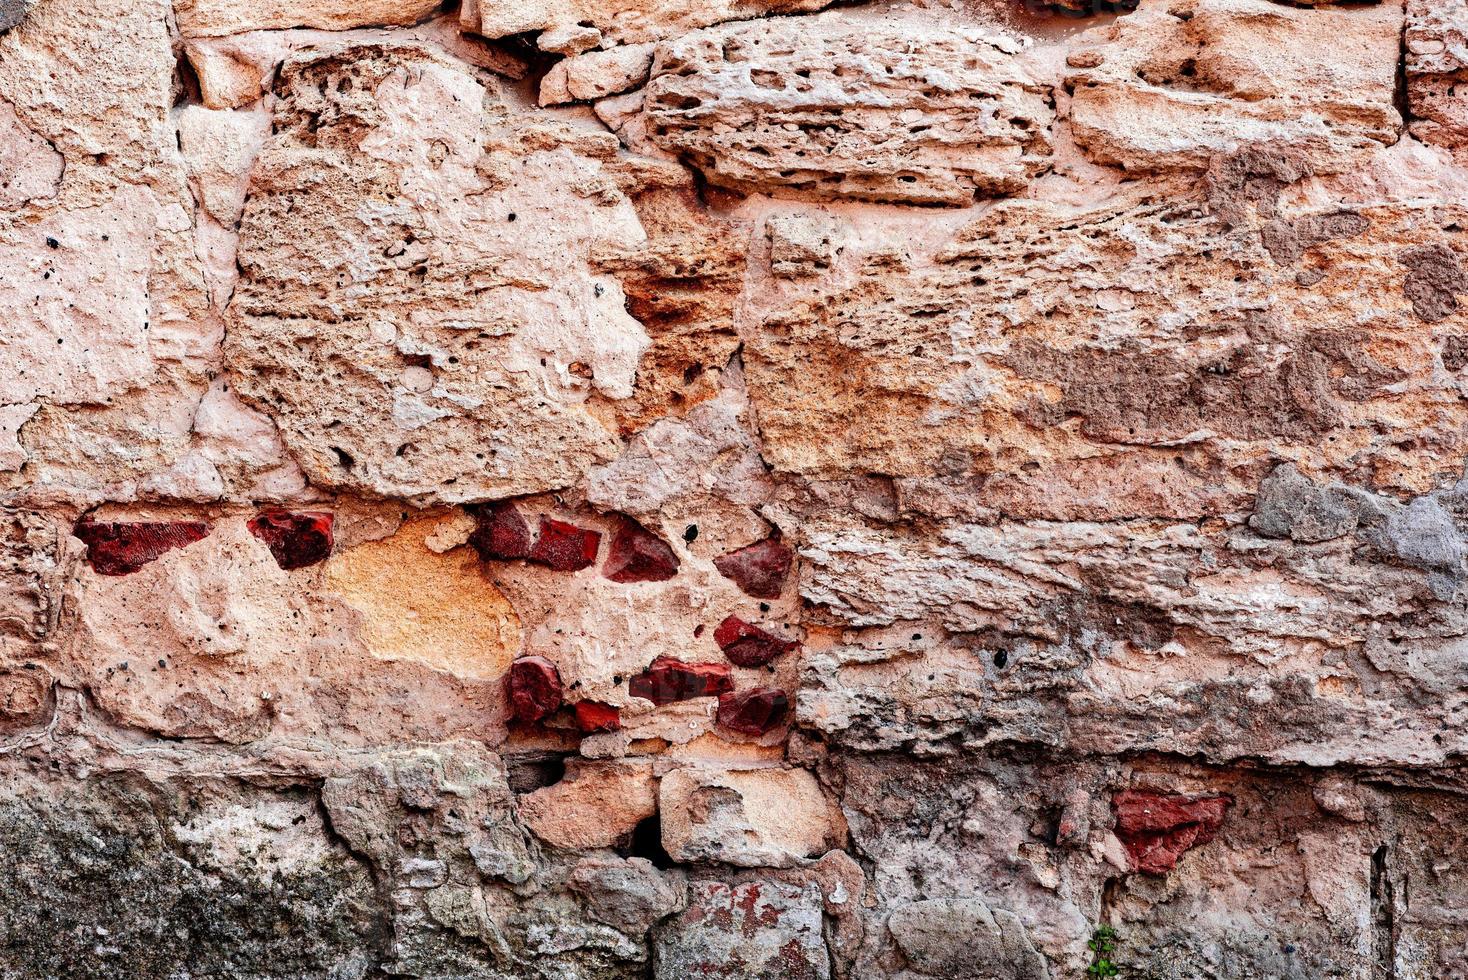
x: 565, y: 547
x: 501, y: 533
x: 120, y: 548
x: 749, y: 646
x: 535, y: 689
x: 669, y: 679
x: 593, y: 716
x: 638, y: 555
x: 1158, y: 828
x: 753, y: 711
x: 760, y: 569
x: 295, y: 539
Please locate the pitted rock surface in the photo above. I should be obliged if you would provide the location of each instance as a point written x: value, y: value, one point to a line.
x: 765, y: 489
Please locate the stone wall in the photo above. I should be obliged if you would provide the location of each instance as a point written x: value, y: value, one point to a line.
x: 580, y: 489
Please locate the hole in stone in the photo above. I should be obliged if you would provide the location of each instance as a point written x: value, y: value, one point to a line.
x: 186, y: 83
x: 690, y: 533
x: 344, y: 458
x: 647, y: 842
x: 530, y: 772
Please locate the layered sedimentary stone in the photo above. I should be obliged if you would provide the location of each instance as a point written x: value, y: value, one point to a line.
x: 828, y: 108
x: 585, y: 24
x: 1174, y: 83
x: 451, y: 306
x: 211, y: 18
x: 983, y: 638
x: 1033, y: 349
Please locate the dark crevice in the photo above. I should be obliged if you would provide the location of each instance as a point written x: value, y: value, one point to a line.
x: 1383, y: 916
x: 1400, y: 97
x: 186, y: 88
x: 647, y: 842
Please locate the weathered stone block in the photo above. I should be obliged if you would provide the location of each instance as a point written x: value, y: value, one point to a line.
x: 1173, y: 84
x: 747, y: 817
x: 829, y: 108
x: 595, y: 805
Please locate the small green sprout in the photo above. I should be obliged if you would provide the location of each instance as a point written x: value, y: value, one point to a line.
x: 1102, y: 945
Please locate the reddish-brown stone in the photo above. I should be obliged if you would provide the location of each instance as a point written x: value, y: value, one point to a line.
x: 1157, y: 828
x: 593, y: 716
x: 295, y: 539
x: 669, y: 680
x: 749, y: 646
x: 119, y: 548
x: 501, y: 533
x: 535, y: 689
x: 565, y: 547
x: 754, y: 711
x: 638, y: 555
x: 760, y: 569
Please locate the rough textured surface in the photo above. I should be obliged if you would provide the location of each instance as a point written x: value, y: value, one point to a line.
x: 463, y: 248
x: 826, y: 108
x: 651, y: 489
x: 1181, y: 80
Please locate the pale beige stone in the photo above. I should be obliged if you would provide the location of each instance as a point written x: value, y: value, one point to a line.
x: 231, y: 73
x: 1179, y: 81
x: 767, y: 817
x: 619, y: 21
x: 471, y: 240
x: 12, y: 454
x: 110, y: 104
x: 214, y: 18
x: 30, y: 169
x: 77, y: 315
x: 597, y: 74
x: 216, y: 641
x: 420, y: 606
x: 597, y: 804
x: 219, y: 147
